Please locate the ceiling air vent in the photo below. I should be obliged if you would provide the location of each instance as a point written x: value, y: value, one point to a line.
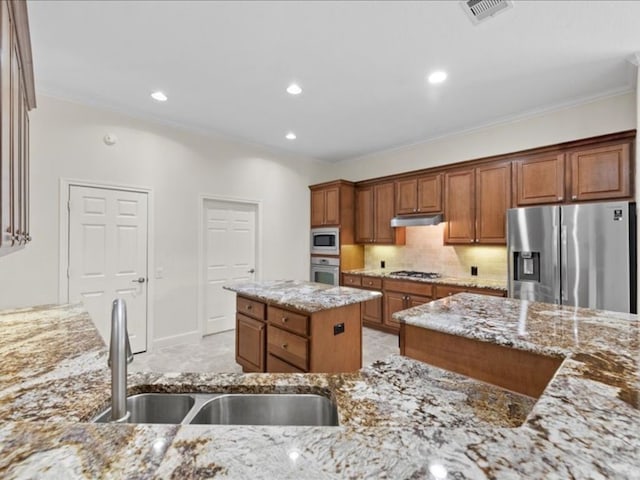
x: 480, y: 10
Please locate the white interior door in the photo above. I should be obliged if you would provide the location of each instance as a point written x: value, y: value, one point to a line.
x: 108, y: 256
x: 230, y: 254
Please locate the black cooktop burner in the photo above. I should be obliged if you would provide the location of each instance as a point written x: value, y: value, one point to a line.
x: 414, y: 274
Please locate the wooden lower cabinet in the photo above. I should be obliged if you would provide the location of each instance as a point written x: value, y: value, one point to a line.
x: 275, y: 365
x: 271, y: 338
x: 372, y: 312
x: 250, y: 343
x: 516, y: 370
x: 400, y: 295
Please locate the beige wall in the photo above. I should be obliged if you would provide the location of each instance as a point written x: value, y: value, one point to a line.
x: 607, y: 115
x: 66, y: 141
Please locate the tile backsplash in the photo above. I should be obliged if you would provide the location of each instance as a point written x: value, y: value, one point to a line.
x: 424, y: 250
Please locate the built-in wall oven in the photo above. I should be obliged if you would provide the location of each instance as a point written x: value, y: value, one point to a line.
x: 325, y: 241
x: 325, y: 270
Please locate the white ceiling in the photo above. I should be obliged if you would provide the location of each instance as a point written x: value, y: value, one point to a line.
x: 362, y: 65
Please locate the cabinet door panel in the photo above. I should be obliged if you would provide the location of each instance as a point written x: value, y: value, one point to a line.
x: 406, y: 196
x: 394, y: 302
x: 332, y: 206
x: 460, y: 207
x: 383, y: 208
x: 364, y: 215
x: 601, y: 173
x: 539, y: 180
x: 250, y: 342
x: 372, y: 311
x: 317, y: 208
x: 430, y: 194
x: 493, y: 198
x: 415, y: 300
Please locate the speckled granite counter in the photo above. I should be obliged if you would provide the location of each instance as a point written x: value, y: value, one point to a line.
x: 473, y: 282
x: 398, y: 418
x: 307, y: 297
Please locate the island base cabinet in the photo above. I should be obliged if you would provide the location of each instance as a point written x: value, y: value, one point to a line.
x: 516, y: 370
x: 270, y: 338
x: 250, y: 343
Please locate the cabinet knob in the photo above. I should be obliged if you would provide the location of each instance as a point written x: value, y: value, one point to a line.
x: 285, y: 346
x: 415, y: 209
x: 284, y: 319
x: 574, y: 197
x: 248, y: 307
x: 560, y: 197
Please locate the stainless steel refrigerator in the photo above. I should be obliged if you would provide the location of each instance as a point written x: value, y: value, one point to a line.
x: 582, y: 255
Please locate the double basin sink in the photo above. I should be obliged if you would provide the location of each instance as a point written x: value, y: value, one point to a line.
x: 229, y: 409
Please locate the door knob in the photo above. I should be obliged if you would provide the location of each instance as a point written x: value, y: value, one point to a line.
x: 252, y: 270
x: 139, y: 280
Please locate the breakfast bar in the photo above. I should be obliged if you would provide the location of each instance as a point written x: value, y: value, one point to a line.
x: 398, y: 418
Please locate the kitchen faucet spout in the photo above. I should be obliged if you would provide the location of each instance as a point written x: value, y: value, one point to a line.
x: 119, y: 356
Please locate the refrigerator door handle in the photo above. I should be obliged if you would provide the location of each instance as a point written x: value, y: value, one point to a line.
x: 564, y: 256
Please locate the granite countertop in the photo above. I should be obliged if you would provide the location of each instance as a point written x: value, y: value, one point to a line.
x: 473, y: 282
x: 307, y: 297
x: 399, y: 418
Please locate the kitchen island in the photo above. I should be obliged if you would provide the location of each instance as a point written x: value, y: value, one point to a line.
x: 287, y: 326
x: 399, y: 418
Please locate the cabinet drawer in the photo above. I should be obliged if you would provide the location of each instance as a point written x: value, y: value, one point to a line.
x: 419, y: 288
x: 294, y: 322
x: 275, y: 365
x: 352, y: 280
x: 372, y: 282
x: 251, y: 308
x: 448, y: 290
x: 288, y: 346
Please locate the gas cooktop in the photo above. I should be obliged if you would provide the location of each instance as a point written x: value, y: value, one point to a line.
x: 414, y: 274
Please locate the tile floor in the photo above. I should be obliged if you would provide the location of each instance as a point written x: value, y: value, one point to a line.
x: 216, y: 353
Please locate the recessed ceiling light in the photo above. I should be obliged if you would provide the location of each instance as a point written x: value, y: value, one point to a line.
x: 438, y: 77
x: 290, y: 136
x: 159, y: 96
x: 294, y: 89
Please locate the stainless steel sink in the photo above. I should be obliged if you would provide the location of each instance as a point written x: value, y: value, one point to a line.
x: 265, y: 409
x: 154, y: 408
x: 228, y: 409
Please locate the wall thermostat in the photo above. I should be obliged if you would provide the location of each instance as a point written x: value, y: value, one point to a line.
x: 110, y: 139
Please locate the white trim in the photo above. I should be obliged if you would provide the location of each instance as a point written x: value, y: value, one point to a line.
x: 202, y: 198
x: 63, y: 225
x: 189, y: 337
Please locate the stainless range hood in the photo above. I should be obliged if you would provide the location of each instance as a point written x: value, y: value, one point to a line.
x: 417, y: 220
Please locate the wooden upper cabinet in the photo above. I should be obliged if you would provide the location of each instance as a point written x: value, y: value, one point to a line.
x: 325, y: 207
x: 419, y: 195
x: 459, y: 206
x: 17, y: 98
x: 406, y: 196
x: 493, y: 198
x: 476, y: 203
x: 601, y: 173
x: 332, y: 205
x: 374, y: 211
x: 364, y: 215
x: 383, y: 207
x: 539, y: 180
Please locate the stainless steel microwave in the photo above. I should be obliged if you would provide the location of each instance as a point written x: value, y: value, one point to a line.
x: 325, y: 241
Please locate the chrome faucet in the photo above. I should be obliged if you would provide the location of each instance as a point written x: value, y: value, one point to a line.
x: 119, y: 356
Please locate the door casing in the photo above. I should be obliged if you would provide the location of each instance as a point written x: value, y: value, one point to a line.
x: 63, y: 281
x: 201, y: 249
